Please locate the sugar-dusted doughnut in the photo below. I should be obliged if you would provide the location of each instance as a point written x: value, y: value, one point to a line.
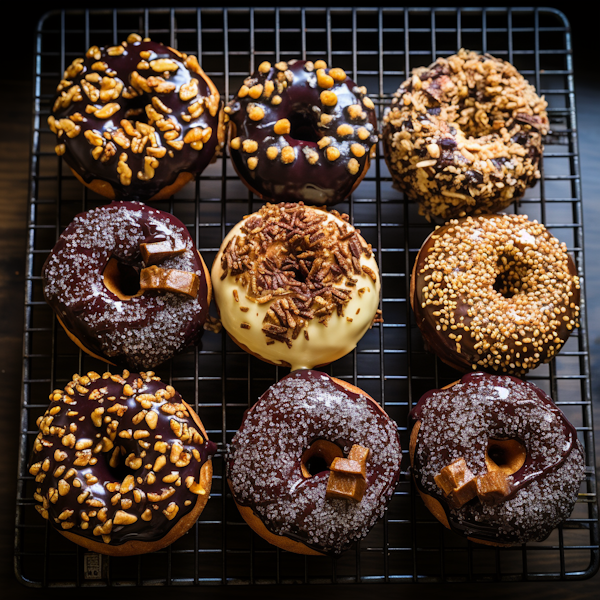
x: 495, y: 292
x: 494, y: 459
x: 138, y: 120
x: 314, y: 464
x: 122, y: 464
x: 296, y: 285
x: 128, y: 285
x: 300, y: 131
x: 464, y: 135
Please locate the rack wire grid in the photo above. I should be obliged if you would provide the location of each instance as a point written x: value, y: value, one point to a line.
x: 377, y: 48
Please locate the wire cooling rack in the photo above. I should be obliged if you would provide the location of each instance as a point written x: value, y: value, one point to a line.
x: 377, y: 48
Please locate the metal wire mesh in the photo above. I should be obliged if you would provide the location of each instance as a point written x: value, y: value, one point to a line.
x: 377, y: 48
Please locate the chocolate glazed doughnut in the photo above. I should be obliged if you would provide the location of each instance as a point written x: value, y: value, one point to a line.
x: 495, y: 292
x: 314, y: 464
x: 122, y: 464
x: 494, y: 459
x: 137, y: 121
x: 300, y: 131
x: 128, y: 285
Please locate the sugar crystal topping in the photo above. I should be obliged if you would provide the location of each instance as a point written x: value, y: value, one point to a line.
x: 460, y: 421
x: 148, y: 329
x: 264, y: 467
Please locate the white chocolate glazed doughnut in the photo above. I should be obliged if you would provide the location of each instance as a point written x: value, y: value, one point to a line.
x: 295, y: 285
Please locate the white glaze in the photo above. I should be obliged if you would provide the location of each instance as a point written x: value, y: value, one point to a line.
x: 326, y: 343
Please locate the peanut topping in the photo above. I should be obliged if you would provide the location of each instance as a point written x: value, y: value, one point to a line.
x: 287, y: 155
x: 353, y: 166
x: 332, y: 153
x: 328, y: 98
x: 264, y: 67
x: 250, y: 146
x: 324, y: 80
x: 272, y: 152
x: 282, y: 127
x: 255, y: 112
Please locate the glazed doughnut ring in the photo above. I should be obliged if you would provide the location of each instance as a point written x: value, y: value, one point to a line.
x: 495, y: 292
x: 138, y: 120
x: 296, y: 285
x: 122, y: 464
x: 128, y: 285
x: 494, y: 459
x: 464, y: 135
x: 300, y: 131
x: 287, y: 471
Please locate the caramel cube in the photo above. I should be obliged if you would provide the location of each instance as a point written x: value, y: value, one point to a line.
x: 155, y: 252
x: 169, y: 280
x: 359, y: 454
x: 349, y: 467
x: 493, y: 487
x: 457, y: 482
x: 345, y: 486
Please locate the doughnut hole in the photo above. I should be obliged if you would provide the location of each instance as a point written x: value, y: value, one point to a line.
x: 511, y: 278
x: 121, y: 279
x: 303, y: 125
x: 506, y: 456
x: 318, y: 456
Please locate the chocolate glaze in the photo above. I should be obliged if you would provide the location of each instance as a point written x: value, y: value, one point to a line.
x: 444, y: 347
x: 140, y: 332
x: 52, y: 444
x: 272, y: 484
x: 545, y: 483
x: 78, y: 154
x: 325, y: 182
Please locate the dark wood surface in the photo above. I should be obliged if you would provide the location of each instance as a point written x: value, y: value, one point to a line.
x: 15, y: 135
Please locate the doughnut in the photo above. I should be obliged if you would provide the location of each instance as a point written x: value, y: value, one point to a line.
x: 314, y: 464
x: 494, y: 459
x: 464, y: 135
x: 300, y: 131
x: 122, y: 464
x: 295, y: 285
x: 137, y: 121
x: 128, y: 285
x: 494, y: 292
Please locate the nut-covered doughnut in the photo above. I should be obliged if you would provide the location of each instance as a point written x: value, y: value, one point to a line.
x: 122, y: 465
x: 464, y: 135
x: 314, y: 464
x: 494, y: 459
x: 495, y: 292
x: 301, y: 131
x: 296, y: 285
x: 128, y: 285
x: 137, y: 121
